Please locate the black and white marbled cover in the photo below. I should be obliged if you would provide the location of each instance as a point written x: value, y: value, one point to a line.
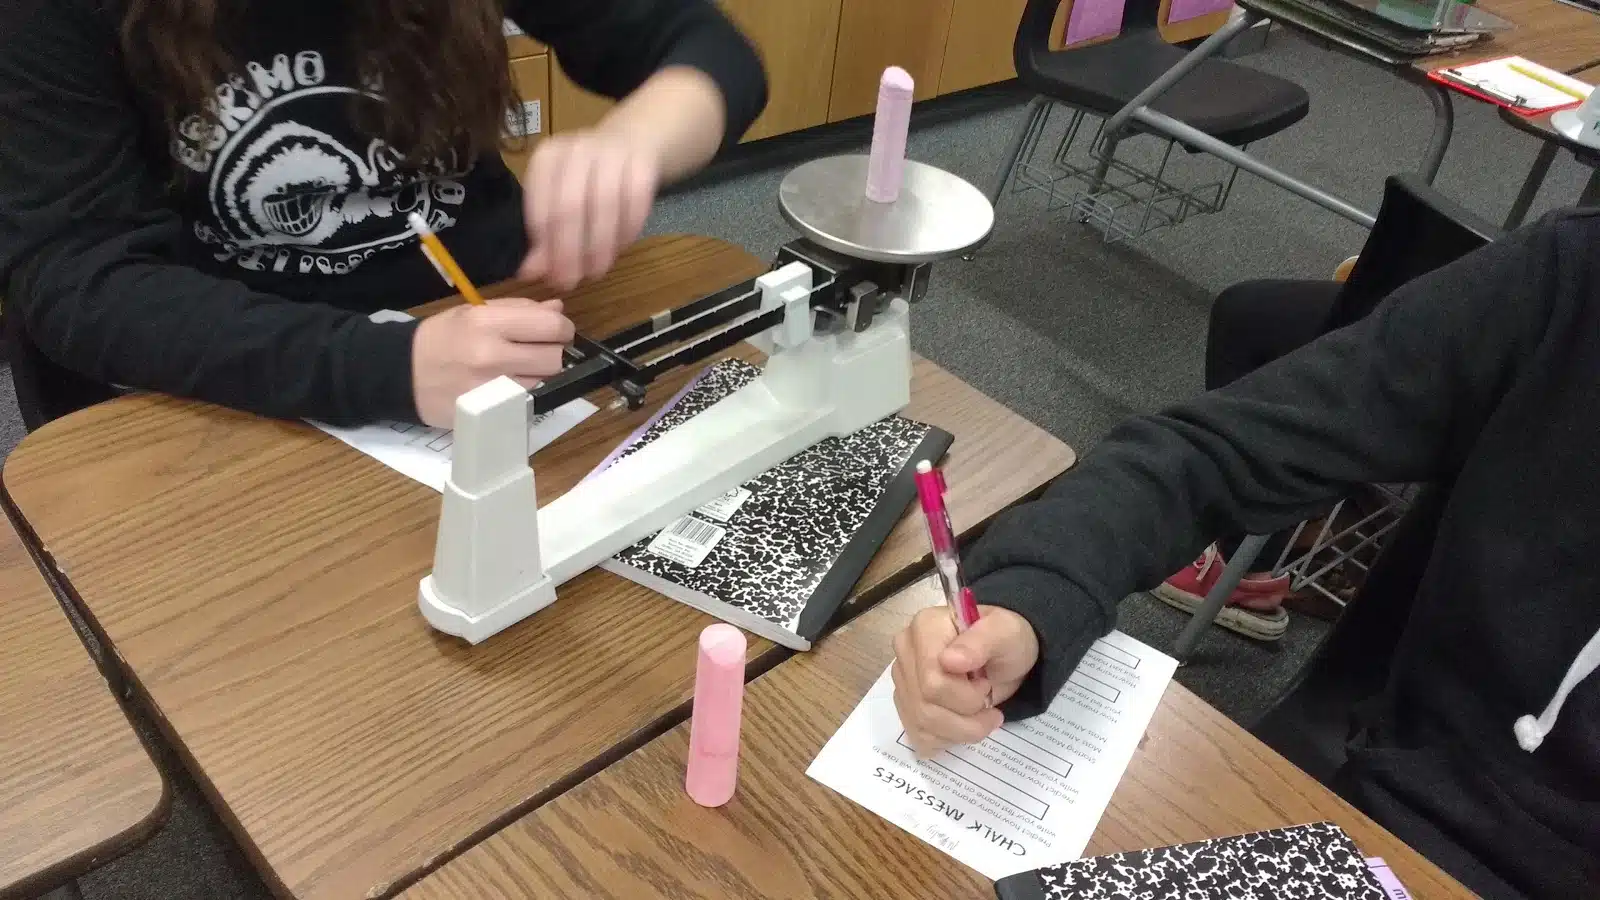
x: 783, y: 543
x: 1306, y: 862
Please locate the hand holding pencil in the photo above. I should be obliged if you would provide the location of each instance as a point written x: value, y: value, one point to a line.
x: 463, y: 347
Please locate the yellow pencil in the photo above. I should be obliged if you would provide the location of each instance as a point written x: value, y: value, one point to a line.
x: 1547, y: 81
x: 433, y: 248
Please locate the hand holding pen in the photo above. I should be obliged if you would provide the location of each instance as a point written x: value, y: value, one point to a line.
x: 954, y: 665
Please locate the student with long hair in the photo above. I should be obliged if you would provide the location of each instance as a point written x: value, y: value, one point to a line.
x: 208, y: 197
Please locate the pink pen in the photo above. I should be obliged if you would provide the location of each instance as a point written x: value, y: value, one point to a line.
x: 946, y: 556
x: 714, y: 725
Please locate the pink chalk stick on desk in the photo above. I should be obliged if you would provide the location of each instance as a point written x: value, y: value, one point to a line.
x: 714, y: 725
x: 886, y: 165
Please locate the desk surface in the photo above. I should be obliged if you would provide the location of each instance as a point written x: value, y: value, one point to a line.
x: 1539, y: 126
x: 77, y: 787
x: 1552, y: 34
x: 258, y: 581
x: 631, y: 833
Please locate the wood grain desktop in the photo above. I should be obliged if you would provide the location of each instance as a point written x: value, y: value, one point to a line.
x: 1551, y: 34
x: 257, y: 581
x: 77, y: 786
x: 630, y: 833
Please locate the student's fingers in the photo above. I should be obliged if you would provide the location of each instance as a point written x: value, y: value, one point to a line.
x: 604, y: 219
x: 566, y: 231
x: 1001, y: 642
x: 918, y: 646
x: 529, y: 361
x: 922, y: 743
x: 538, y: 203
x: 932, y: 728
x: 641, y: 180
x: 537, y: 326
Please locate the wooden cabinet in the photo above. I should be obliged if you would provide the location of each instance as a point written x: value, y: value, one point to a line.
x: 824, y: 57
x: 531, y: 75
x: 572, y: 107
x: 876, y: 34
x: 796, y: 39
x: 979, y: 49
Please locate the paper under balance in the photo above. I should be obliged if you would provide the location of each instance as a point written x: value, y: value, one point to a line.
x: 423, y: 453
x: 1031, y: 794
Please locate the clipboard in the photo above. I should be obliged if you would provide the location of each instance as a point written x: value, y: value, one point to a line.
x: 1526, y: 88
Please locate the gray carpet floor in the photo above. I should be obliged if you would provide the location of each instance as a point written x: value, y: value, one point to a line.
x: 1071, y: 332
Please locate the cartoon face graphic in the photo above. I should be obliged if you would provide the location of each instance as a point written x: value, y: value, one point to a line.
x: 281, y: 181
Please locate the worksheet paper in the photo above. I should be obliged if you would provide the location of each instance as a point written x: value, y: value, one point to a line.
x: 423, y: 453
x: 1028, y: 796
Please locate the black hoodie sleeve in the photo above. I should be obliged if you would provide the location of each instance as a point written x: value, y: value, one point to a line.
x: 611, y: 46
x: 86, y: 243
x: 1393, y: 398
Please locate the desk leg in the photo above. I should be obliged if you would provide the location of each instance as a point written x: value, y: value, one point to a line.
x: 1591, y: 190
x: 1031, y: 121
x: 68, y: 891
x: 1444, y: 124
x: 1531, y: 185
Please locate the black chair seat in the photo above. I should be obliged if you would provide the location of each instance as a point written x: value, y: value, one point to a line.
x: 1230, y: 102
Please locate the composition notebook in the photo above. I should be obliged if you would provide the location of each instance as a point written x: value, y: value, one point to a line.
x: 1306, y: 861
x: 779, y: 555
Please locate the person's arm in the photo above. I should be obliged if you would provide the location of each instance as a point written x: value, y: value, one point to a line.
x: 87, y: 239
x: 689, y: 81
x: 1396, y: 397
x: 689, y: 84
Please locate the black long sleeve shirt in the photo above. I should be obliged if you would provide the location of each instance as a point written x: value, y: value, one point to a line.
x: 1485, y: 376
x: 247, y: 284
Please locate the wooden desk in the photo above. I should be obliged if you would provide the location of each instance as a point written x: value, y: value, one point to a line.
x: 1552, y: 34
x: 77, y: 787
x: 631, y: 833
x: 258, y: 582
x: 1552, y: 140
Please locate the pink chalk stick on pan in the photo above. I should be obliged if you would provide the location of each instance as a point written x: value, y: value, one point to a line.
x: 886, y: 166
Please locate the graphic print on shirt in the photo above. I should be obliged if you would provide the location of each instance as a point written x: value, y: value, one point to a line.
x: 293, y: 186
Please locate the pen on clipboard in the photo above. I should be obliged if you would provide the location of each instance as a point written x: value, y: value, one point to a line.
x: 1484, y: 88
x: 1547, y: 81
x: 434, y: 250
x: 946, y: 555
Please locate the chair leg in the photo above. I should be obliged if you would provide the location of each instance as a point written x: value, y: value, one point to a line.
x: 1444, y: 123
x: 1238, y: 566
x: 1531, y: 185
x: 1591, y: 190
x: 1036, y: 108
x: 1008, y: 164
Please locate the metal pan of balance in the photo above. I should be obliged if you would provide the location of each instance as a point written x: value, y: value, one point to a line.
x: 937, y: 215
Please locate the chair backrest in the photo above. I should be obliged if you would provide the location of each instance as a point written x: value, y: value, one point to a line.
x: 1417, y: 230
x: 1033, y: 39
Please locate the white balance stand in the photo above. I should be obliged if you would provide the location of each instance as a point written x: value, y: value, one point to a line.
x: 499, y: 558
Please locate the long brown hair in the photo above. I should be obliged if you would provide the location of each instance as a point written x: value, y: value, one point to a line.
x: 441, y: 65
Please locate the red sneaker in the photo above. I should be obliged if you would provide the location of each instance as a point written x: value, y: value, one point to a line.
x: 1255, y: 609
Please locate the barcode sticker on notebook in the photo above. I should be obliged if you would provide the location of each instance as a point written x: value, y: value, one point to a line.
x: 723, y: 508
x: 687, y: 541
